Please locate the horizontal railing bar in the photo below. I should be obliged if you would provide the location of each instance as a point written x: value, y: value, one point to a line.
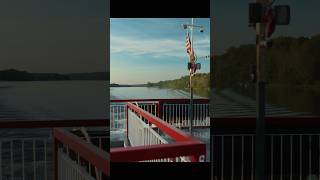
x: 91, y: 153
x: 157, y: 151
x: 53, y: 123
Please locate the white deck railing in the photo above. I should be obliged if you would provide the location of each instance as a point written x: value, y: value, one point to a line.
x: 176, y: 114
x: 118, y: 113
x: 179, y: 115
x: 79, y: 159
x: 117, y: 116
x: 140, y: 133
x: 26, y: 158
x: 31, y: 158
x: 289, y: 156
x: 70, y: 169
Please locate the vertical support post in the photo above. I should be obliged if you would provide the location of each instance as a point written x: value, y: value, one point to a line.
x: 260, y: 157
x: 191, y: 90
x: 191, y: 105
x: 260, y: 136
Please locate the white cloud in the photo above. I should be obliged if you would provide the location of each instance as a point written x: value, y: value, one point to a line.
x: 156, y: 47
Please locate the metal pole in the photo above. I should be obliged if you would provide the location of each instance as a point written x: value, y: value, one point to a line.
x: 192, y: 24
x: 260, y: 154
x: 191, y: 90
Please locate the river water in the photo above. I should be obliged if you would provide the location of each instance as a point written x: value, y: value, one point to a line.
x: 53, y: 100
x: 147, y: 93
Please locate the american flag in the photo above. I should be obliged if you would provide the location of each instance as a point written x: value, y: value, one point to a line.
x: 188, y: 45
x: 190, y: 49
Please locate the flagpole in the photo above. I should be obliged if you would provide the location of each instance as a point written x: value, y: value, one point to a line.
x: 191, y: 66
x: 191, y: 90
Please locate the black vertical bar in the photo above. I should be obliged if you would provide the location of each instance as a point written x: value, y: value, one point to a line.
x: 260, y: 158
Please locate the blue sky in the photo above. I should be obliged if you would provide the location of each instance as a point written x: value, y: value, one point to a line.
x: 151, y: 50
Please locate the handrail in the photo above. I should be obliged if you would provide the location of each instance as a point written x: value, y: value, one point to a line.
x: 91, y: 153
x: 173, y: 132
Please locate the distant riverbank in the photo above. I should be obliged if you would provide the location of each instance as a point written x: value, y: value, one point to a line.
x: 127, y: 85
x: 200, y: 84
x: 17, y: 75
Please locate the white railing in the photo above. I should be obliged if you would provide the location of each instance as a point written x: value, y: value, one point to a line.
x: 117, y: 116
x: 31, y: 158
x: 179, y: 115
x: 289, y: 156
x: 118, y: 113
x: 173, y: 113
x: 142, y: 134
x: 79, y: 159
x: 26, y: 158
x: 151, y: 107
x: 69, y: 169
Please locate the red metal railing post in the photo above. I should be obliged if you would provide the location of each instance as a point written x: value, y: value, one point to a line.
x: 55, y: 157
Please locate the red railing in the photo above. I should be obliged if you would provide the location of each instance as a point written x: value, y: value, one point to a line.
x: 95, y: 156
x: 89, y: 152
x: 183, y: 145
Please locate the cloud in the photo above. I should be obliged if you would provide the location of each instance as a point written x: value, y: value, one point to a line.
x: 155, y: 47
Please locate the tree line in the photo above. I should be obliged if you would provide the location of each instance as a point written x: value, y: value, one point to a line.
x: 291, y: 61
x: 200, y: 84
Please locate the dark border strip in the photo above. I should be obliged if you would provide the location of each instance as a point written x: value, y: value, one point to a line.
x: 159, y: 9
